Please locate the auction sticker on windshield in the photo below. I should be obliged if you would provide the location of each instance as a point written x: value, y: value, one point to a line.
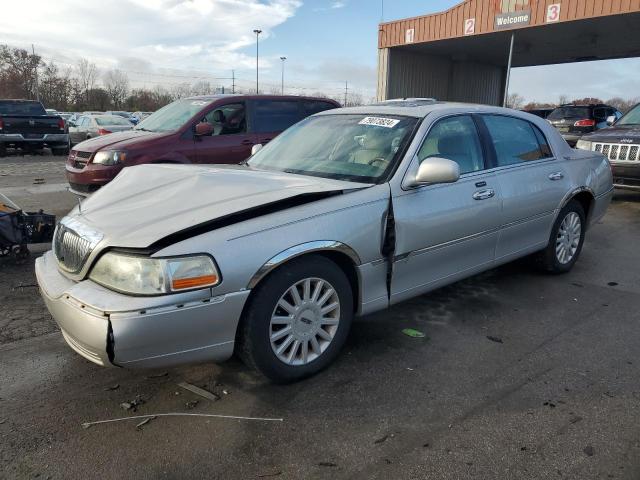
x: 379, y: 122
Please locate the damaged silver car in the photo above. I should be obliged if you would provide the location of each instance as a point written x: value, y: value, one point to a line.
x: 344, y: 214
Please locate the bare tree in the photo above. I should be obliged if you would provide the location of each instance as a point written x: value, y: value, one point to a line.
x: 87, y: 75
x: 563, y: 99
x: 17, y: 72
x: 515, y: 101
x: 116, y: 83
x: 623, y: 105
x: 201, y: 88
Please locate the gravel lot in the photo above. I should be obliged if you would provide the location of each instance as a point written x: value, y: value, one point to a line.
x: 555, y: 392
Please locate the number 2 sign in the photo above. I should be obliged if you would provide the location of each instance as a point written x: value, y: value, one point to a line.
x: 553, y: 13
x: 470, y: 26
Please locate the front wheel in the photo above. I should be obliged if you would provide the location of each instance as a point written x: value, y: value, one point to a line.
x: 567, y: 238
x: 297, y: 320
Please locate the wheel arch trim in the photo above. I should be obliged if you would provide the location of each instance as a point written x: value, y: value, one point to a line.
x: 298, y: 250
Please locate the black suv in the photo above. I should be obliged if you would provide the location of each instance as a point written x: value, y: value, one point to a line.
x: 621, y: 145
x: 573, y: 121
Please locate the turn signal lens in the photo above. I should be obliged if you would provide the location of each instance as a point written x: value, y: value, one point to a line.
x: 192, y: 272
x: 183, y: 283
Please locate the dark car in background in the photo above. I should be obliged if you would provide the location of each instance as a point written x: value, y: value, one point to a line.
x: 620, y: 143
x: 574, y: 121
x: 540, y: 112
x: 25, y: 125
x: 204, y: 129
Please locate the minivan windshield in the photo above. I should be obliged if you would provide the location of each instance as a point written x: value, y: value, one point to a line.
x: 570, y: 112
x: 172, y: 116
x: 358, y: 148
x: 632, y: 117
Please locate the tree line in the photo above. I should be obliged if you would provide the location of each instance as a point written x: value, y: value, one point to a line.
x: 517, y: 101
x: 84, y: 87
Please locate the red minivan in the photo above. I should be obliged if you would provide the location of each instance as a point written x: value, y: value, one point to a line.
x: 206, y: 129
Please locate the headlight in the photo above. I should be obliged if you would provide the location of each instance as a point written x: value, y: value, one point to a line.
x: 109, y: 157
x: 584, y: 144
x: 139, y: 275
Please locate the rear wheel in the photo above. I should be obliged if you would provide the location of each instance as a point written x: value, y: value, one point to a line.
x: 3, y: 150
x: 567, y: 238
x: 297, y: 320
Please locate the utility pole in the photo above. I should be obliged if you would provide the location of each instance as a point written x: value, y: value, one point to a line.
x: 282, y: 82
x: 506, y: 86
x: 33, y: 50
x: 346, y: 89
x: 257, y: 32
x: 233, y: 81
x: 382, y: 11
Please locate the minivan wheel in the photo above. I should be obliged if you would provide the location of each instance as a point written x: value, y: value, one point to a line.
x: 567, y: 238
x: 297, y: 320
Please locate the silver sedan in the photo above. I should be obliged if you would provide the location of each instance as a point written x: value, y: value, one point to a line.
x: 345, y: 213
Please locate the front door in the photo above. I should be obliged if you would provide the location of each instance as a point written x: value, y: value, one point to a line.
x: 448, y: 231
x: 229, y: 142
x: 532, y: 181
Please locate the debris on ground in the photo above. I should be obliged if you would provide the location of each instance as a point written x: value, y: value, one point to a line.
x: 158, y: 375
x: 410, y: 332
x: 39, y: 181
x: 112, y: 387
x: 133, y: 404
x: 549, y: 404
x: 384, y: 438
x: 144, y: 422
x: 589, y: 451
x: 192, y: 404
x: 199, y: 391
x: 274, y: 474
x: 575, y: 419
x: 327, y: 464
x: 181, y: 414
x: 494, y: 339
x: 613, y: 284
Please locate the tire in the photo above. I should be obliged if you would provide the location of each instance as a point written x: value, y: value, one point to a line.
x: 254, y: 343
x: 3, y: 150
x: 560, y: 258
x: 61, y: 150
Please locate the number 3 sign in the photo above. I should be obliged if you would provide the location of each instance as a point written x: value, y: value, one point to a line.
x: 553, y: 13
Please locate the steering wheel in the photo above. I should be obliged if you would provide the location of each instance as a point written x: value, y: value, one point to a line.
x: 377, y: 159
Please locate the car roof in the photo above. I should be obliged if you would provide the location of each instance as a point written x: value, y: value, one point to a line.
x: 258, y: 97
x: 418, y: 108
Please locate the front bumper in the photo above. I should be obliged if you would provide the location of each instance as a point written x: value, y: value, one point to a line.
x: 49, y: 138
x: 109, y: 328
x: 626, y: 175
x: 90, y: 177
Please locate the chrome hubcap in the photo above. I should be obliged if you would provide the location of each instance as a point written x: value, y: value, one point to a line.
x: 304, y: 321
x: 568, y: 238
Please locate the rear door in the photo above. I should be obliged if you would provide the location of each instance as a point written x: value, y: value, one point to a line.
x: 272, y: 116
x: 447, y: 231
x: 533, y: 183
x: 230, y: 142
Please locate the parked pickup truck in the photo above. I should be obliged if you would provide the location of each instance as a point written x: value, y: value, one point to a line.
x: 25, y: 124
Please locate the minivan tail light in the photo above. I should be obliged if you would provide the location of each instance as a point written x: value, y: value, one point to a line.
x: 102, y: 131
x: 585, y: 123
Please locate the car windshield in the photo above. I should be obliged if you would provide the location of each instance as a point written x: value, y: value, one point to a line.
x: 22, y: 108
x: 172, y: 116
x: 570, y: 112
x: 632, y: 117
x: 104, y: 120
x: 358, y: 148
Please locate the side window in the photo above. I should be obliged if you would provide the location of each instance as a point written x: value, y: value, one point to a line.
x: 542, y: 141
x: 228, y: 119
x: 454, y: 138
x: 84, y: 121
x: 600, y: 114
x: 515, y: 140
x: 275, y: 115
x: 309, y: 107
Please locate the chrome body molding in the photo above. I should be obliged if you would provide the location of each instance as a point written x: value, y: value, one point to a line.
x: 296, y: 251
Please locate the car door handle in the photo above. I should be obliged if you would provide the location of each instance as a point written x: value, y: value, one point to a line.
x: 484, y: 194
x: 556, y: 176
x: 246, y: 142
x: 265, y: 140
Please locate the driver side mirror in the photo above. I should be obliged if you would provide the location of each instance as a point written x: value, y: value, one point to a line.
x: 436, y: 170
x: 203, y: 129
x: 611, y: 119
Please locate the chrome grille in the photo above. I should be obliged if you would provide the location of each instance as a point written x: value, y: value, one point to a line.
x: 82, y: 154
x: 618, y: 152
x: 70, y: 249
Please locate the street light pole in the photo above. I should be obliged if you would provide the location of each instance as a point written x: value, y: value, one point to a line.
x: 282, y: 83
x: 257, y: 32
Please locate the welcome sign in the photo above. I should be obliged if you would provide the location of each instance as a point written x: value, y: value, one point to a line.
x: 512, y: 19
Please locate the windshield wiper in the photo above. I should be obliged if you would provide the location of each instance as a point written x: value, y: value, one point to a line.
x: 143, y: 129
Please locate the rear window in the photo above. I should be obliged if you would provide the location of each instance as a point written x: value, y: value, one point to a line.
x: 275, y: 115
x: 22, y: 108
x: 112, y: 120
x: 310, y: 107
x: 570, y: 112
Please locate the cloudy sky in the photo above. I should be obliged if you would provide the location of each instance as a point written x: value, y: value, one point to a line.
x: 326, y: 42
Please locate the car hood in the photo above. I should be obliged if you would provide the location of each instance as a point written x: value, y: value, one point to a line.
x: 147, y: 204
x: 615, y: 134
x: 117, y: 140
